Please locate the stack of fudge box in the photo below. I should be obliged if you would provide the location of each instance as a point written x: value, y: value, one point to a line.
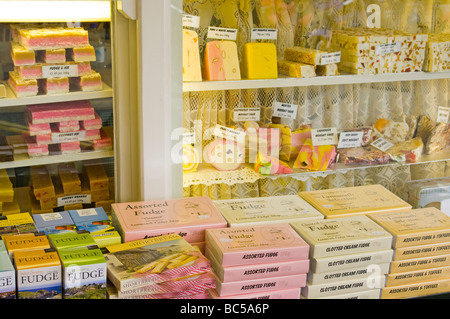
x: 7, y: 275
x: 350, y: 257
x: 263, y: 261
x: 377, y: 51
x: 160, y: 267
x: 421, y: 241
x: 51, y: 60
x: 61, y: 128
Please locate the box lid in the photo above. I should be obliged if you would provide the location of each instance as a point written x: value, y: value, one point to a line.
x: 52, y: 221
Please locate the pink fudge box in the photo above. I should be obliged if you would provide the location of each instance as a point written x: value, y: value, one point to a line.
x: 257, y: 271
x: 258, y: 285
x: 261, y: 244
x: 293, y: 293
x: 189, y: 217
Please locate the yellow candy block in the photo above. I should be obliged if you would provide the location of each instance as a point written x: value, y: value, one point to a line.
x: 259, y: 61
x: 6, y: 187
x: 191, y: 57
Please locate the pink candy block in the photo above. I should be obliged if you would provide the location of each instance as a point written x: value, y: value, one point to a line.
x: 293, y: 293
x: 69, y: 147
x: 60, y: 112
x: 189, y: 217
x: 38, y: 129
x: 104, y: 142
x: 257, y: 271
x: 67, y: 126
x: 35, y: 150
x: 249, y: 245
x: 94, y: 124
x: 259, y: 285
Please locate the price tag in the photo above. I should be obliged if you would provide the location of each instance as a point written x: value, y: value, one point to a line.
x: 74, y: 199
x: 264, y: 34
x: 285, y: 110
x: 58, y: 71
x: 222, y: 33
x: 324, y: 136
x: 350, y: 139
x: 382, y: 144
x: 383, y: 49
x: 87, y: 212
x: 334, y: 57
x: 51, y: 217
x: 247, y: 114
x: 189, y: 138
x: 443, y: 114
x: 191, y: 21
x: 229, y: 134
x: 68, y: 137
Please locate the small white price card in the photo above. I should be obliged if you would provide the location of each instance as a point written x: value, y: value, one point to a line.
x: 222, y: 33
x: 334, y: 57
x: 243, y: 114
x: 74, y: 199
x: 324, y: 136
x: 191, y: 21
x: 350, y: 139
x: 229, y: 134
x: 384, y: 49
x: 443, y: 114
x: 382, y: 144
x: 58, y: 71
x: 189, y: 138
x: 51, y: 217
x: 264, y: 34
x: 285, y: 110
x: 68, y: 137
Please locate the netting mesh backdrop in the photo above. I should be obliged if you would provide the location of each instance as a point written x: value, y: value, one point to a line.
x: 306, y: 23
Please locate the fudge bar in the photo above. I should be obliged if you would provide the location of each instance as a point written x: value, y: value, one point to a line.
x: 82, y: 54
x: 40, y: 38
x: 6, y: 150
x: 104, y: 143
x: 52, y: 56
x: 21, y: 87
x: 22, y: 56
x: 38, y: 129
x: 6, y: 187
x: 60, y: 112
x: 296, y: 69
x: 304, y: 55
x: 2, y: 91
x: 259, y: 61
x: 94, y: 124
x: 363, y: 155
x: 95, y: 174
x: 42, y: 183
x: 54, y: 85
x: 86, y: 83
x: 66, y: 126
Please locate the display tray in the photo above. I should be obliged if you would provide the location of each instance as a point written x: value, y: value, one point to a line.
x: 208, y: 175
x: 12, y: 100
x: 284, y: 81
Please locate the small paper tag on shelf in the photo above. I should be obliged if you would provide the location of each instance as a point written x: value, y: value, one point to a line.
x: 285, y: 110
x: 334, y: 57
x: 191, y: 21
x: 229, y: 134
x: 324, y: 136
x: 243, y: 114
x: 384, y: 49
x: 189, y: 138
x: 222, y: 33
x: 350, y: 139
x: 382, y: 144
x: 74, y: 199
x: 58, y: 71
x: 68, y: 137
x: 443, y: 114
x: 264, y: 34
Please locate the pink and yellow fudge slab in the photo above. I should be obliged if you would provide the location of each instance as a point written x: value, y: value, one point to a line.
x: 22, y: 56
x: 189, y: 217
x: 82, y: 54
x: 52, y: 56
x: 54, y: 85
x: 69, y: 147
x: 60, y: 112
x: 104, y: 143
x: 51, y: 38
x: 87, y: 83
x: 245, y: 245
x: 21, y: 87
